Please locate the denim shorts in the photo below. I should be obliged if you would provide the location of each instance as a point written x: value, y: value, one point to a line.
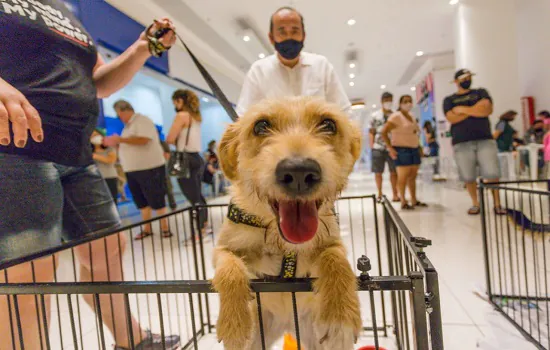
x: 407, y: 156
x: 45, y: 204
x: 483, y: 153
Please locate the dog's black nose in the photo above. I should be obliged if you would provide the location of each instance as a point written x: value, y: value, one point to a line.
x: 298, y: 175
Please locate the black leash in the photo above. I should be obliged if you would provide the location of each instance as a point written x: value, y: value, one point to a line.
x: 157, y: 48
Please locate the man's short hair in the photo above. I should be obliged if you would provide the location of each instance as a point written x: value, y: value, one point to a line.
x: 289, y: 9
x: 123, y: 105
x: 386, y: 95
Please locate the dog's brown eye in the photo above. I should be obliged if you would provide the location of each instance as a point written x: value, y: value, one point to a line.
x: 261, y: 127
x: 328, y: 126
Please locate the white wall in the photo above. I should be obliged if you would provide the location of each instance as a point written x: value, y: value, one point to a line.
x: 486, y: 43
x: 534, y: 50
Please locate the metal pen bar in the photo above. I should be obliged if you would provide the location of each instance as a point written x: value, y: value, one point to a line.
x: 296, y: 321
x: 260, y: 320
x: 129, y: 322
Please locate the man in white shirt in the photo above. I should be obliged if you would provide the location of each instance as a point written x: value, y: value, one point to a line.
x: 142, y: 159
x: 290, y: 71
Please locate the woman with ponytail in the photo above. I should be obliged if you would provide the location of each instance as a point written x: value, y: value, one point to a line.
x: 404, y: 150
x: 185, y: 133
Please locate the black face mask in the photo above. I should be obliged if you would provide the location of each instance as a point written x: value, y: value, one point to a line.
x: 289, y: 49
x: 466, y: 84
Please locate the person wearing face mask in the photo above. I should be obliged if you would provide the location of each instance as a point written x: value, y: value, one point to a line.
x: 380, y: 155
x: 403, y: 148
x: 105, y: 159
x: 290, y: 71
x: 468, y: 111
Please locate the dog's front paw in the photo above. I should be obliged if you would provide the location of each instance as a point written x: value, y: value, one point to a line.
x: 335, y: 336
x: 340, y: 318
x: 234, y: 327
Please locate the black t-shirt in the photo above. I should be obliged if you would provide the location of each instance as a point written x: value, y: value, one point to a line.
x: 47, y: 55
x: 471, y: 128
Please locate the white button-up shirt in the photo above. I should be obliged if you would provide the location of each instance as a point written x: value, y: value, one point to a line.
x: 268, y: 78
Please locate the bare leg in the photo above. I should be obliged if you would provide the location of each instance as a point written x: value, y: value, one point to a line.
x: 164, y: 222
x: 472, y: 190
x: 393, y: 179
x: 105, y: 265
x: 147, y: 214
x: 30, y: 307
x: 402, y: 176
x: 378, y: 178
x: 496, y: 195
x: 413, y: 172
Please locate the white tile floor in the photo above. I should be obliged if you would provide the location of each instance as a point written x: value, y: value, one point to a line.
x: 468, y: 321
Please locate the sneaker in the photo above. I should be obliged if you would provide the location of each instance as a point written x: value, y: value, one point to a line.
x: 154, y: 342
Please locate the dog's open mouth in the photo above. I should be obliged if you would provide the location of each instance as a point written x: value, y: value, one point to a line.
x: 298, y: 220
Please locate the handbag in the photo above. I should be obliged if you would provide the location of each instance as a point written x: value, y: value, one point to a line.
x: 178, y: 165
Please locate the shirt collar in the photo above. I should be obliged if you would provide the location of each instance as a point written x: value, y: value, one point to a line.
x: 132, y: 119
x: 305, y: 60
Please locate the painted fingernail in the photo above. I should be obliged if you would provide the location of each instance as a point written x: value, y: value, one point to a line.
x: 21, y: 144
x: 4, y: 142
x: 40, y: 138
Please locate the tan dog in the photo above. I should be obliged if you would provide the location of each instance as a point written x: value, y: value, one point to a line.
x: 288, y: 161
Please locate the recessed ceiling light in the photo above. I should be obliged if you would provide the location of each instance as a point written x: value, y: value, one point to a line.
x: 413, y: 88
x: 351, y: 76
x: 246, y: 38
x: 262, y: 55
x: 373, y: 106
x: 382, y: 86
x: 352, y: 65
x: 358, y: 106
x: 205, y: 99
x: 453, y: 2
x: 351, y: 22
x: 420, y: 53
x: 351, y: 83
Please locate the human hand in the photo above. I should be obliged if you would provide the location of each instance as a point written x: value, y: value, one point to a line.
x: 168, y: 39
x: 16, y: 110
x: 111, y: 141
x: 393, y: 153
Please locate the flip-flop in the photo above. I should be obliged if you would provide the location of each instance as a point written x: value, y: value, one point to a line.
x: 420, y: 204
x: 395, y: 200
x: 500, y: 211
x: 474, y: 210
x: 167, y: 234
x: 142, y: 235
x: 379, y: 200
x: 407, y: 207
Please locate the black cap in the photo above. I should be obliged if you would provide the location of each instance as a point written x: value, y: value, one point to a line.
x: 386, y: 95
x: 545, y: 114
x: 462, y: 73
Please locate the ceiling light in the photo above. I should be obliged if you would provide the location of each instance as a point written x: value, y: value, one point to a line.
x: 351, y: 76
x: 420, y: 53
x: 352, y: 65
x: 413, y: 88
x: 382, y: 86
x: 453, y: 2
x: 246, y: 38
x: 373, y: 106
x: 262, y: 55
x: 351, y: 83
x: 358, y: 106
x: 205, y: 99
x: 351, y: 22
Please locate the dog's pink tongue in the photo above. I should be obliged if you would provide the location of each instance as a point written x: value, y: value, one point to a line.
x: 299, y: 220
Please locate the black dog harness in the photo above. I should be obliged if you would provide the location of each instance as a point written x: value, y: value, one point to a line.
x: 290, y: 259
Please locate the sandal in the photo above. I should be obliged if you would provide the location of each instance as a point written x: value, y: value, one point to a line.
x: 474, y: 210
x: 379, y: 200
x: 420, y: 204
x: 142, y: 235
x: 407, y: 207
x: 167, y: 234
x: 500, y: 211
x: 396, y: 199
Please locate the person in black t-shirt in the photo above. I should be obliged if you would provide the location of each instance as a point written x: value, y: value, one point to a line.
x: 468, y: 111
x: 50, y: 79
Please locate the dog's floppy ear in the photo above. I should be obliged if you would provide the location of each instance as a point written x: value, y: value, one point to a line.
x: 356, y: 142
x: 228, y: 152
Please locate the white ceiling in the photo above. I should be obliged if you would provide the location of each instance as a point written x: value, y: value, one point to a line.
x: 387, y: 34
